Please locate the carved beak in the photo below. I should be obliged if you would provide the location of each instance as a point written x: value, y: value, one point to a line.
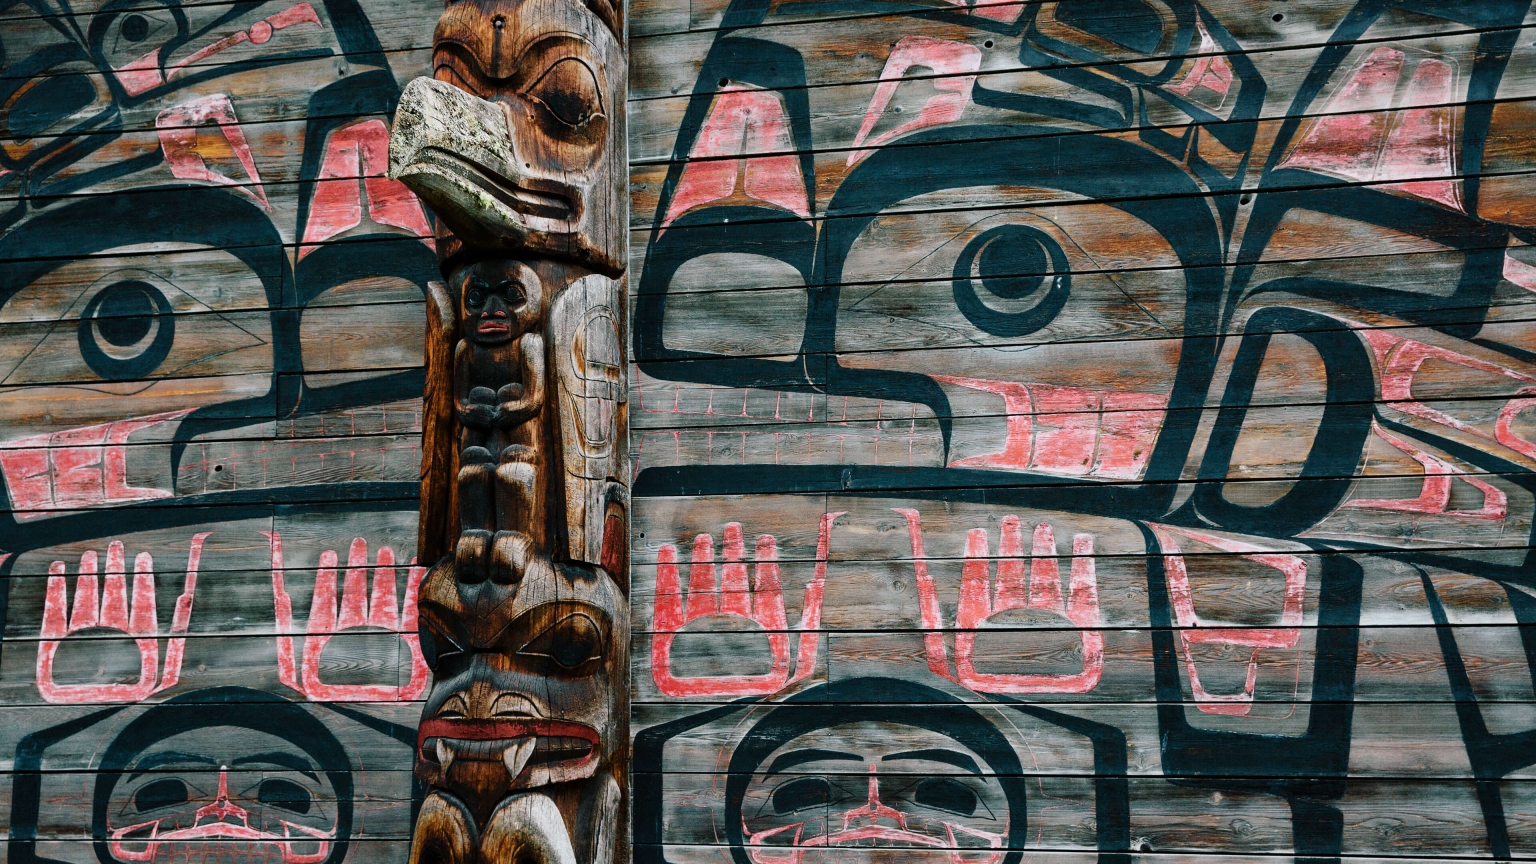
x: 454, y: 150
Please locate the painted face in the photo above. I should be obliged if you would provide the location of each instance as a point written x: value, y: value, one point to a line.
x: 875, y: 794
x: 226, y: 794
x: 498, y: 300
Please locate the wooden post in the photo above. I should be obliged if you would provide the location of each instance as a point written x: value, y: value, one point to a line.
x: 517, y: 144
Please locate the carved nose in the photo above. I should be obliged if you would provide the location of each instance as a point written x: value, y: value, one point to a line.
x: 494, y: 313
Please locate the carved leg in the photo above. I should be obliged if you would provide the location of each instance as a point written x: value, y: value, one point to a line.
x: 445, y: 832
x: 527, y: 829
x: 477, y: 481
x: 515, y: 479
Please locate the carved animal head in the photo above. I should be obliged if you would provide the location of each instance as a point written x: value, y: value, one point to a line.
x: 499, y: 300
x: 529, y: 680
x: 518, y: 143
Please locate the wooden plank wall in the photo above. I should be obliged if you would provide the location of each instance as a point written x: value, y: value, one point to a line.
x: 210, y: 345
x: 1095, y: 430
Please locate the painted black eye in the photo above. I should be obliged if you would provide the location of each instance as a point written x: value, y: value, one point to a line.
x: 570, y: 642
x: 801, y: 794
x: 135, y: 28
x: 126, y: 330
x: 951, y: 796
x: 161, y: 793
x: 475, y: 298
x: 1015, y: 263
x: 569, y: 90
x: 286, y: 794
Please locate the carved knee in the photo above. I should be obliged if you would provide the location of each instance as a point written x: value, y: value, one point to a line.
x: 527, y: 829
x: 472, y: 557
x: 510, y: 554
x: 445, y: 832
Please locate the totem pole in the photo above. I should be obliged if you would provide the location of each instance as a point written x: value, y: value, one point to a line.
x: 516, y: 143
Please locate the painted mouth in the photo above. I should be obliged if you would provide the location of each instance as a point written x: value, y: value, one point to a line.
x: 493, y: 328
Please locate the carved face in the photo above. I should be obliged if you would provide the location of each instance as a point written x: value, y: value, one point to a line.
x: 529, y: 680
x: 525, y: 151
x: 498, y: 300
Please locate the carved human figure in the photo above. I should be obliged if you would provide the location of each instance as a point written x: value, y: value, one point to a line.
x: 498, y: 400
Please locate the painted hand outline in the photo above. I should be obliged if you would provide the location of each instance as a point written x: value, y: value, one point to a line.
x: 761, y: 602
x: 106, y: 605
x: 359, y: 606
x: 1022, y: 583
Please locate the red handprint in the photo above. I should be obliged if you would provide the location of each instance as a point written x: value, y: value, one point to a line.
x: 1032, y: 583
x: 761, y: 602
x: 359, y: 607
x: 1285, y: 636
x: 106, y: 605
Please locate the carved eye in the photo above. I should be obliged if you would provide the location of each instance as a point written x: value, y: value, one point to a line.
x: 475, y: 298
x: 570, y: 642
x: 569, y: 90
x: 442, y: 654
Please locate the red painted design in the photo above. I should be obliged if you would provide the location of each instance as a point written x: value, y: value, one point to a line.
x: 1519, y: 272
x: 142, y: 74
x: 259, y: 34
x: 221, y: 820
x: 743, y: 122
x: 84, y: 467
x: 1211, y: 71
x: 874, y: 823
x: 197, y: 153
x: 1193, y: 632
x: 359, y: 607
x: 1435, y: 496
x: 106, y: 605
x: 1348, y: 141
x: 1361, y: 140
x: 1399, y: 360
x: 1070, y: 430
x: 1422, y: 141
x: 1032, y: 582
x: 956, y: 62
x: 359, y: 151
x: 760, y: 601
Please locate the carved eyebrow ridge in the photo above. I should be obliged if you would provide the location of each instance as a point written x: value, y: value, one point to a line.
x: 800, y: 757
x: 959, y: 760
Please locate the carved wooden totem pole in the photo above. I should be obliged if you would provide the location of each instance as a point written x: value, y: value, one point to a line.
x: 517, y: 145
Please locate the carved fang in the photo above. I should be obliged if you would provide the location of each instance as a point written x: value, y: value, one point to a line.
x: 444, y: 754
x: 517, y: 755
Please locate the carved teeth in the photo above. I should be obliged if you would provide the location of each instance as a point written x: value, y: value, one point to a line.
x: 444, y: 754
x: 516, y: 756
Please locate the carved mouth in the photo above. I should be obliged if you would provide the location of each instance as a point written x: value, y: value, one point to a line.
x: 493, y: 328
x: 529, y: 202
x: 561, y: 748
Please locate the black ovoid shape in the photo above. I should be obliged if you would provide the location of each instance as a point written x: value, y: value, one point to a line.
x: 1012, y: 262
x: 126, y: 330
